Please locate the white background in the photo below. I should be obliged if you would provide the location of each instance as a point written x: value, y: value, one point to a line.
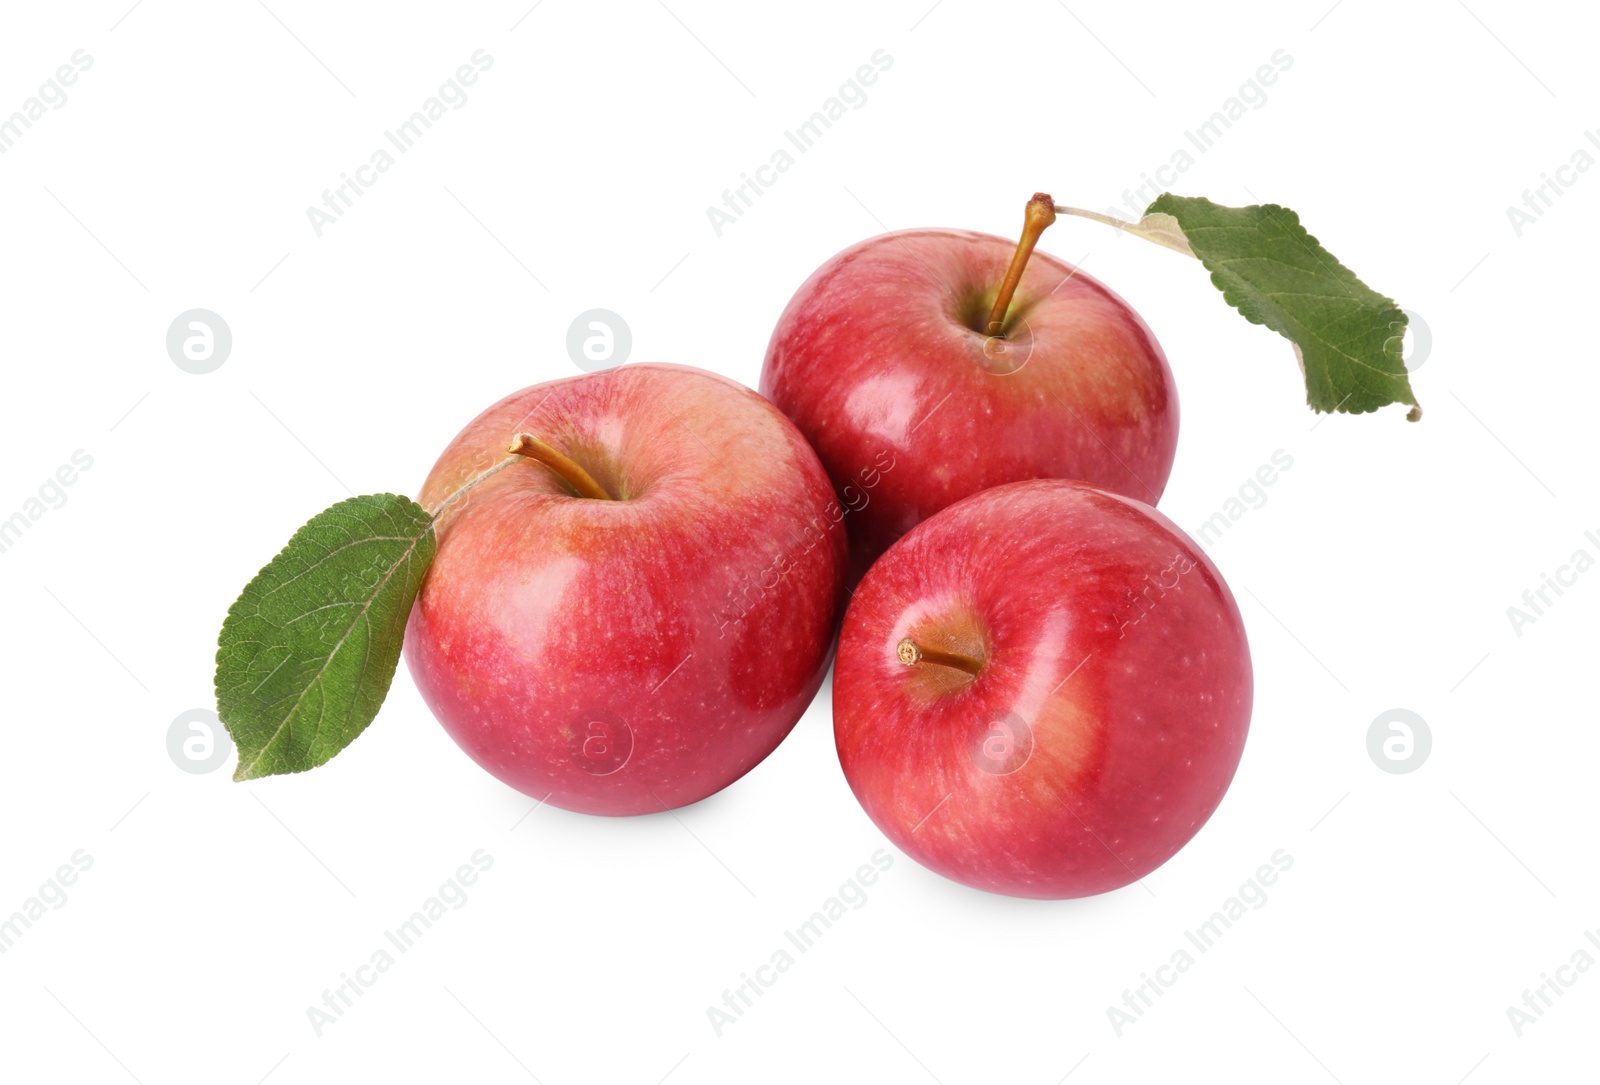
x: 1377, y: 574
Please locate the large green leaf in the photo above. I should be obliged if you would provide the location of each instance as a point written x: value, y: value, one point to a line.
x: 309, y: 648
x: 1347, y: 335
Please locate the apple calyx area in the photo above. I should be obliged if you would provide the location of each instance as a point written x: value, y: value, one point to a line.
x: 1039, y: 214
x: 911, y: 653
x: 565, y: 467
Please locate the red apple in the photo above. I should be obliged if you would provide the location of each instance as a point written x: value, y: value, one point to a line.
x: 635, y: 621
x: 885, y: 360
x: 1042, y: 691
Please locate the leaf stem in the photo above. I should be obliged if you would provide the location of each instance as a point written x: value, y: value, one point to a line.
x: 450, y: 499
x: 1161, y: 228
x: 1040, y: 213
x: 525, y: 446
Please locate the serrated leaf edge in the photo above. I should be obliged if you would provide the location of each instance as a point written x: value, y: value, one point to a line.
x: 243, y: 772
x: 1325, y: 257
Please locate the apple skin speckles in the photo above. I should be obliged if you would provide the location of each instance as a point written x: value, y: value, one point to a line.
x: 629, y: 656
x: 1108, y: 717
x: 877, y: 357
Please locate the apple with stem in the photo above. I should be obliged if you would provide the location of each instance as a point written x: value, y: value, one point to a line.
x: 632, y: 606
x: 1042, y: 690
x: 927, y: 365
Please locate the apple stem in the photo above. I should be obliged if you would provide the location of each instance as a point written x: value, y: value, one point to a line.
x: 1040, y: 213
x: 912, y: 653
x: 582, y: 483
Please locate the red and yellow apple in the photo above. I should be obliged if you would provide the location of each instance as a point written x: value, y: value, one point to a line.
x: 893, y: 362
x: 633, y: 612
x: 1042, y: 690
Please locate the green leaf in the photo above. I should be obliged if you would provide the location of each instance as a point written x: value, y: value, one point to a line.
x: 1346, y: 335
x: 309, y: 648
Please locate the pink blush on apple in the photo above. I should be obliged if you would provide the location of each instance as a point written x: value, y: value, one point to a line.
x: 636, y: 620
x: 1042, y: 691
x: 887, y: 348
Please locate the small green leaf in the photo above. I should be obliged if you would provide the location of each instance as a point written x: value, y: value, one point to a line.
x: 1346, y: 335
x: 310, y: 646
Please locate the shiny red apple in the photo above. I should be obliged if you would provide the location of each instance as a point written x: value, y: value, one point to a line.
x: 918, y: 387
x: 1042, y: 691
x: 634, y: 612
